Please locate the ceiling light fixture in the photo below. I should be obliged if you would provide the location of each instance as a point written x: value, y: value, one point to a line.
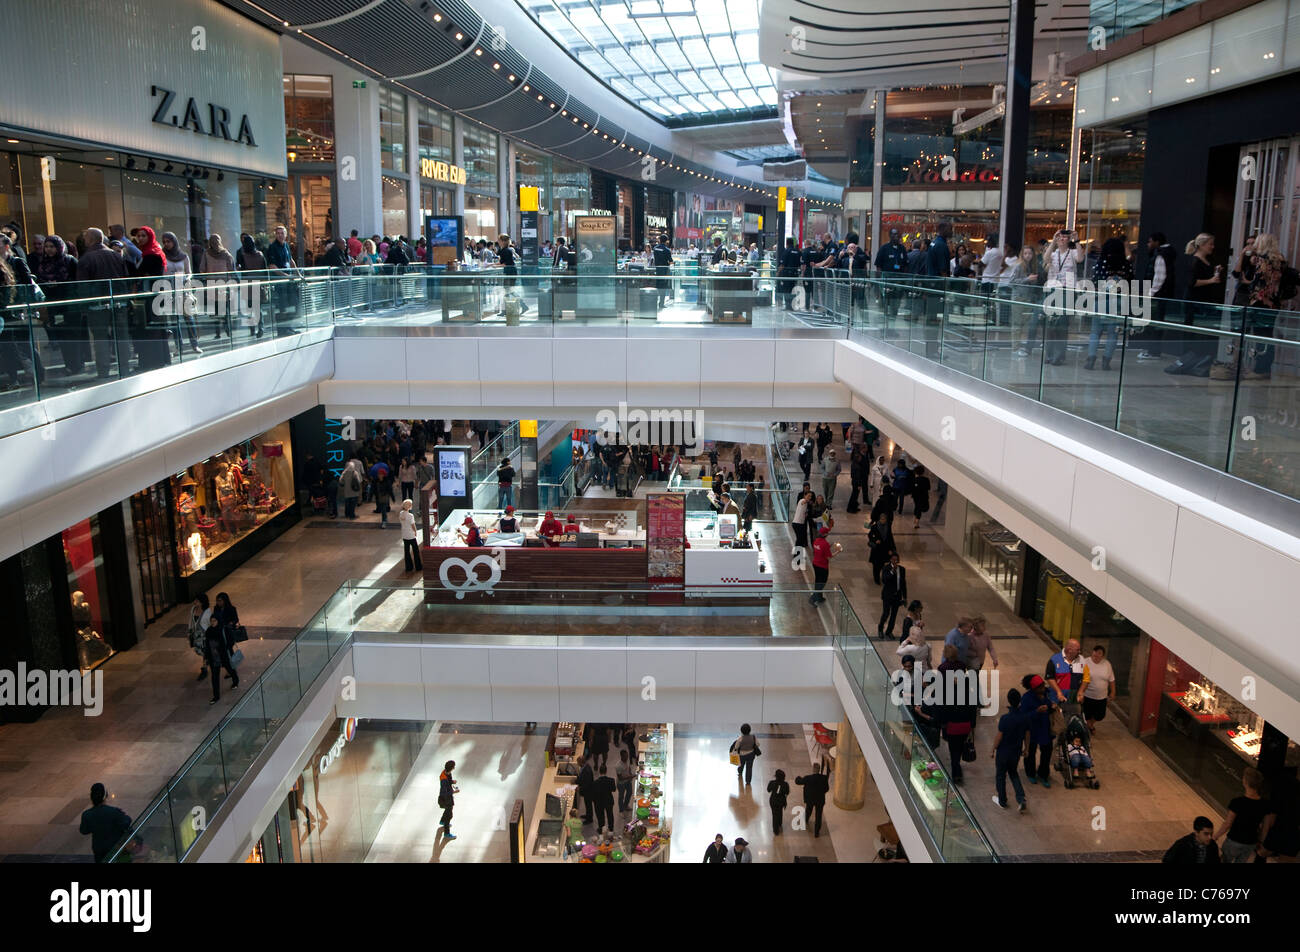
x: 496, y: 65
x: 478, y: 52
x: 437, y: 18
x: 460, y: 36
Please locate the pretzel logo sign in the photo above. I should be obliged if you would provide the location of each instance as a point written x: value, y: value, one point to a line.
x: 472, y: 583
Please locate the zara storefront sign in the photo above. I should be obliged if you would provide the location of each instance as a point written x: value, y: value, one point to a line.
x: 348, y: 732
x: 170, y: 113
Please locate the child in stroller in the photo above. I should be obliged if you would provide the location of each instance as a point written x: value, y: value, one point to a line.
x: 1074, y: 754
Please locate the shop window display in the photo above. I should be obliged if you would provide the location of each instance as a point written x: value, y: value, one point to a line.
x: 83, y: 553
x: 223, y: 498
x: 1208, y: 735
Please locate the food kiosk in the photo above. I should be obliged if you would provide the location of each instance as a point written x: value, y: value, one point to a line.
x: 642, y: 835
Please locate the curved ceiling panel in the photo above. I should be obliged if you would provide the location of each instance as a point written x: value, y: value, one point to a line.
x: 414, y: 43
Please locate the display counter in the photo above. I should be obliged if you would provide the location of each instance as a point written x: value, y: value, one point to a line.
x: 608, y: 552
x: 722, y: 556
x: 729, y: 296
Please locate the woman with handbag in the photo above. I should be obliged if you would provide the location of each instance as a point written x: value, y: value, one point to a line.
x: 743, y: 751
x: 228, y: 617
x: 958, y: 715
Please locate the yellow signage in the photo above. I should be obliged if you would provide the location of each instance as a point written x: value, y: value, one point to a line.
x: 780, y: 197
x: 528, y: 429
x: 442, y: 171
x: 528, y: 198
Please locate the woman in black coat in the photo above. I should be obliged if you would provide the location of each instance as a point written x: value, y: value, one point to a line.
x: 778, y: 791
x: 227, y: 619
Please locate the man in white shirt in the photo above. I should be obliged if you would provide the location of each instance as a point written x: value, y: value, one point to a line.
x: 1099, y: 687
x: 992, y: 264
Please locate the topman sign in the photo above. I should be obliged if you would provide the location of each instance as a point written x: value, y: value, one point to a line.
x: 207, y: 120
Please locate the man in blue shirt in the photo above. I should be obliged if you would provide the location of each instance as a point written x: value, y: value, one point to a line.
x: 959, y: 638
x: 1038, y: 706
x: 1006, y: 751
x: 104, y: 824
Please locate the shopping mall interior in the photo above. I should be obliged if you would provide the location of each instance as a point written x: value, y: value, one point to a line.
x: 469, y: 433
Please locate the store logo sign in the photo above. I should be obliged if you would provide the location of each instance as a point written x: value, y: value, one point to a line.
x: 472, y: 583
x: 442, y: 171
x: 656, y: 221
x: 345, y: 737
x: 170, y: 113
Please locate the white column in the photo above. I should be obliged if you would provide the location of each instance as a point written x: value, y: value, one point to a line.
x: 416, y: 227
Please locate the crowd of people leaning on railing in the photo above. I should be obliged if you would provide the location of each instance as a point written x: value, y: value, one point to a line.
x: 1010, y: 283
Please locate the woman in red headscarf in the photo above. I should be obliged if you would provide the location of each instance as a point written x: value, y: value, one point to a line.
x: 153, y: 263
x: 153, y: 343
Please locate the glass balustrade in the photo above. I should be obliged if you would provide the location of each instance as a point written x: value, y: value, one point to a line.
x: 169, y: 828
x: 1213, y: 383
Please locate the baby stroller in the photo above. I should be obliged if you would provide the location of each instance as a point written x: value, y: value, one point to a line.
x: 1075, y: 727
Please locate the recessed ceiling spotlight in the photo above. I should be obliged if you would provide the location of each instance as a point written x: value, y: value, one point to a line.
x: 496, y: 65
x: 478, y: 52
x: 460, y: 36
x: 437, y: 18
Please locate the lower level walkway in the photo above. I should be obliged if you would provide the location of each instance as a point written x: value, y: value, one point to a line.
x: 1142, y: 805
x: 156, y: 713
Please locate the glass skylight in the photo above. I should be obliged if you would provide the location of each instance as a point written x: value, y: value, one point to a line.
x: 690, y: 61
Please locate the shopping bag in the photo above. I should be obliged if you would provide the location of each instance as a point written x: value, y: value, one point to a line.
x: 735, y: 759
x: 237, y: 658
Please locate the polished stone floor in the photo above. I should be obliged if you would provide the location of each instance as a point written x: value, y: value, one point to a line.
x: 1142, y: 806
x: 499, y: 763
x: 157, y: 713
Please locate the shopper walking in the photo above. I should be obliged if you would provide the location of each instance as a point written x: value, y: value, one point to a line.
x: 830, y: 476
x: 104, y: 824
x: 227, y: 617
x: 625, y: 772
x: 1038, y: 706
x: 920, y: 494
x: 778, y: 792
x: 410, y: 541
x: 875, y: 479
x: 406, y: 476
x: 893, y: 595
x: 1196, y: 847
x: 214, y: 646
x: 505, y: 484
x: 586, y: 782
x: 746, y: 748
x: 880, y: 537
x: 349, y: 490
x: 1007, y: 746
x: 1249, y: 819
x: 858, y: 474
x: 958, y: 711
x: 200, y: 614
x: 799, y: 522
x: 447, y: 791
x: 716, y: 852
x: 815, y: 787
x: 598, y: 746
x: 806, y: 446
x: 603, y: 793
x: 822, y: 554
x: 383, y: 490
x: 740, y: 852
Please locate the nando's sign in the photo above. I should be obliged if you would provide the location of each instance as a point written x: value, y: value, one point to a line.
x: 945, y: 170
x: 209, y: 119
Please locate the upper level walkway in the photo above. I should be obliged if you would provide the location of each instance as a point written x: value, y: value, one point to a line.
x: 1185, y: 485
